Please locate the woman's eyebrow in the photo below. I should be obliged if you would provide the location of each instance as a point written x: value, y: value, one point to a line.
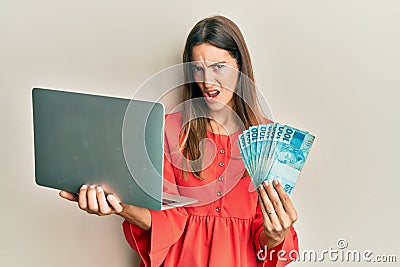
x: 217, y: 63
x: 196, y: 63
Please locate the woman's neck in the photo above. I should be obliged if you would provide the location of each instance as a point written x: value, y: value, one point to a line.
x: 223, y: 122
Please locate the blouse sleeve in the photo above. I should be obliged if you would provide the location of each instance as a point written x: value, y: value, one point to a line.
x: 167, y: 226
x: 270, y: 259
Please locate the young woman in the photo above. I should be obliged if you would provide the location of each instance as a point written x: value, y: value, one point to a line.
x: 230, y: 225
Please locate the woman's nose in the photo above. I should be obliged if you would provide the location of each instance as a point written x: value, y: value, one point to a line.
x: 209, y: 78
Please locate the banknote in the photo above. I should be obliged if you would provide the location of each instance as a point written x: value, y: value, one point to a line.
x: 243, y: 153
x: 264, y: 161
x: 261, y: 145
x: 274, y: 152
x: 277, y: 132
x: 289, y: 155
x: 253, y: 146
x: 247, y: 142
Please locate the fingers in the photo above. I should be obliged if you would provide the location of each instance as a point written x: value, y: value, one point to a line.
x: 264, y: 211
x: 286, y: 202
x: 69, y: 196
x: 82, y: 202
x: 270, y: 211
x: 116, y: 205
x: 92, y: 199
x: 103, y: 206
x: 278, y: 211
x: 274, y: 198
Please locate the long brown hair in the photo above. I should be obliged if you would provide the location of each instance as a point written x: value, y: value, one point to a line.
x: 223, y: 33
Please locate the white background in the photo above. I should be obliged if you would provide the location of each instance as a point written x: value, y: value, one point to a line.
x: 330, y: 67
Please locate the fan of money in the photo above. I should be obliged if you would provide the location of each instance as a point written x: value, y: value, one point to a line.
x: 274, y: 152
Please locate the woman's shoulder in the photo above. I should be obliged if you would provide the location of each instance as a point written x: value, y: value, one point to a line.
x: 265, y: 120
x: 175, y: 116
x: 173, y: 124
x: 173, y: 120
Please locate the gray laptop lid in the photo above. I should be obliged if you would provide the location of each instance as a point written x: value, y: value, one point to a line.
x: 82, y: 139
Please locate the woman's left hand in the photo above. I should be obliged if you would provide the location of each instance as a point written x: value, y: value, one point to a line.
x: 278, y: 212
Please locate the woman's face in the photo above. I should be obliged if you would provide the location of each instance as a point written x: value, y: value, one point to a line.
x: 216, y: 73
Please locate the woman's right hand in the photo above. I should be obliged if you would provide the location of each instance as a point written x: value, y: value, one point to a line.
x: 93, y: 200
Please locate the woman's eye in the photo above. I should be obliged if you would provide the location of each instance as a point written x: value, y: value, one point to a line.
x: 197, y: 68
x: 219, y: 66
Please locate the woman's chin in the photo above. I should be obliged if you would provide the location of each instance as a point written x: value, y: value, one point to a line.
x: 215, y: 106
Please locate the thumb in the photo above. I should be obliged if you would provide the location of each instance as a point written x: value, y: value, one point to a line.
x: 69, y: 196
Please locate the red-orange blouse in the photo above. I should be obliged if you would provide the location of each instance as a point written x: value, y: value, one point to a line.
x: 223, y: 228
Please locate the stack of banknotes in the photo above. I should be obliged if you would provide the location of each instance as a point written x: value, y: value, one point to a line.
x: 274, y: 152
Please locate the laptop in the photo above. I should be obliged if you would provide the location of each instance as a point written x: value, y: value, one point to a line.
x: 113, y: 142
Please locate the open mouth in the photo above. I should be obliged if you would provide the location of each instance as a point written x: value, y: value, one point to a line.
x: 211, y: 94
